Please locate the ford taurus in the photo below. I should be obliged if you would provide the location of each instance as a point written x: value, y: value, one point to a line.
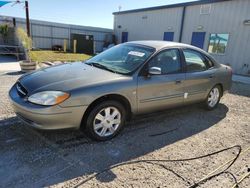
x: 100, y: 94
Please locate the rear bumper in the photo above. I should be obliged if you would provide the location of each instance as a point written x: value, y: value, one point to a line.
x: 46, y: 117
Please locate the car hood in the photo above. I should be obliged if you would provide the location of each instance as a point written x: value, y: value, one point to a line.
x: 66, y: 77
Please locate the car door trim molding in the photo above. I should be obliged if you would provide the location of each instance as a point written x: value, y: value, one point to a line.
x: 196, y: 92
x: 161, y: 98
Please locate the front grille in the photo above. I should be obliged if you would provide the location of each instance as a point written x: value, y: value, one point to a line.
x: 21, y: 90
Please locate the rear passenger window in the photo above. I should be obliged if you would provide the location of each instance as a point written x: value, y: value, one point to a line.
x: 195, y: 62
x: 209, y: 62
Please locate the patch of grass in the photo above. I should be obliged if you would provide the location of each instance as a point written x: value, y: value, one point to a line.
x: 48, y: 55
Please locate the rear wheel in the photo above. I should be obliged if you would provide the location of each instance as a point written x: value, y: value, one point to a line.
x: 213, y: 97
x: 105, y: 120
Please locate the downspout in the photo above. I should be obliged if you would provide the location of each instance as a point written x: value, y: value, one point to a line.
x: 182, y: 22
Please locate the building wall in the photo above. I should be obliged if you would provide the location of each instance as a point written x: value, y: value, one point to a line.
x: 224, y: 17
x: 45, y: 34
x: 149, y: 25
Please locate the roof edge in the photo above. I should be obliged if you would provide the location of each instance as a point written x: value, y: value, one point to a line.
x: 199, y: 2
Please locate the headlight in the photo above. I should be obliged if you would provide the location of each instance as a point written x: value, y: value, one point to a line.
x: 48, y: 98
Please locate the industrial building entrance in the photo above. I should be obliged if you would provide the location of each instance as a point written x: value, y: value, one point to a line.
x: 168, y: 36
x: 124, y: 37
x: 84, y: 43
x: 198, y: 39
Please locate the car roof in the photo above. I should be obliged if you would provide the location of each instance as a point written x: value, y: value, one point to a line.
x: 157, y: 44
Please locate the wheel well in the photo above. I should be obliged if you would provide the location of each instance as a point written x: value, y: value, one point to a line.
x: 221, y: 86
x: 115, y: 97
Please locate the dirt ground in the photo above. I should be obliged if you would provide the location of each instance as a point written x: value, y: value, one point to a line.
x: 165, y: 149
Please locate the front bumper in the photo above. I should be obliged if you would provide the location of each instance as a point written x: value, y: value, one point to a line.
x: 46, y: 117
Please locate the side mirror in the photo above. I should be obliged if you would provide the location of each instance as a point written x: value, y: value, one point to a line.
x: 154, y: 71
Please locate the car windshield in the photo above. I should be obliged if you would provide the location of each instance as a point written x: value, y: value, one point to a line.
x: 122, y: 59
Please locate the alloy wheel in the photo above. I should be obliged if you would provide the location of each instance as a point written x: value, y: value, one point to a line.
x: 213, y: 97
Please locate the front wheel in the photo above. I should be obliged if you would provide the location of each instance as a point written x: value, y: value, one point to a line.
x: 105, y: 120
x: 213, y: 98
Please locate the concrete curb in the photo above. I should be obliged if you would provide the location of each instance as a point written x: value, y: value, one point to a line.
x: 241, y: 79
x: 12, y: 66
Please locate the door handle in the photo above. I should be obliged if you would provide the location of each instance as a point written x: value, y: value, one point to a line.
x: 211, y: 76
x: 177, y: 81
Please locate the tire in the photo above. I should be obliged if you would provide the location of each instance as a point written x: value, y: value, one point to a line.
x: 213, y: 98
x: 102, y: 127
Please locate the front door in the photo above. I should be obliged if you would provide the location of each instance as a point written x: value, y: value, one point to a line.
x: 124, y: 37
x: 168, y: 36
x: 198, y: 39
x: 161, y: 91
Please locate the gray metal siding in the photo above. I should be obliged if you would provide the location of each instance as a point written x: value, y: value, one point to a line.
x: 45, y: 34
x: 60, y: 32
x: 151, y: 28
x: 225, y: 17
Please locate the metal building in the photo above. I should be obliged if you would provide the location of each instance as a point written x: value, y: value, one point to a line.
x: 46, y: 34
x: 221, y: 27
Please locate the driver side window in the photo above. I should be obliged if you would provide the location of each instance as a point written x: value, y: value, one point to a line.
x: 168, y: 61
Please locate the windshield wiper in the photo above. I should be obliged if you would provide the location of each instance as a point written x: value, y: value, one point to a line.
x: 98, y: 65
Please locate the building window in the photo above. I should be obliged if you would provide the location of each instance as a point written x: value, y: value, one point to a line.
x: 218, y: 43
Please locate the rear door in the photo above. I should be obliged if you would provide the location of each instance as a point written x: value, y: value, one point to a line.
x: 199, y: 75
x: 161, y: 91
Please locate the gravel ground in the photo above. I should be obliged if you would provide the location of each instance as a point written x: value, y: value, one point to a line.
x: 33, y: 158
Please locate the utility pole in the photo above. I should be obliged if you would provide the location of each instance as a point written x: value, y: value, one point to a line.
x: 14, y: 22
x: 27, y: 18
